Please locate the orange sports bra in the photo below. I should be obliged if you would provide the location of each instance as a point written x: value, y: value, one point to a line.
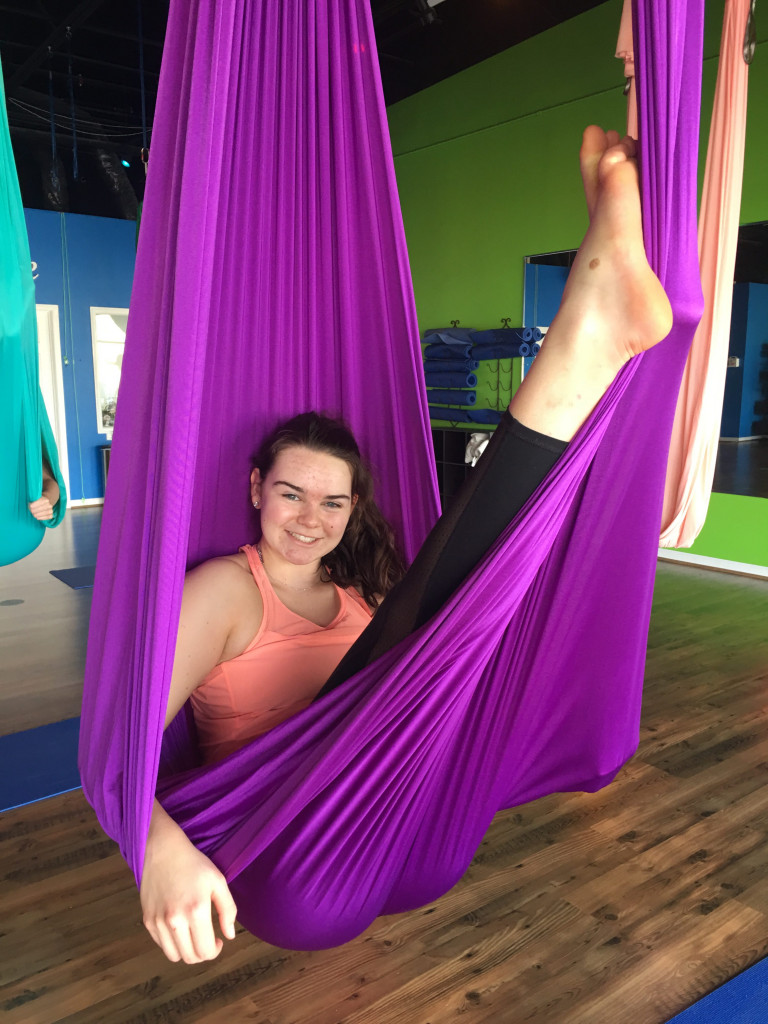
x: 279, y: 673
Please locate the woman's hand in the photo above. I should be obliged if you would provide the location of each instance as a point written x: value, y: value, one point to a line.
x: 179, y: 889
x: 42, y: 508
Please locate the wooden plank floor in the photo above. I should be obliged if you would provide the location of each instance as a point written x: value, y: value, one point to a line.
x: 619, y: 906
x: 44, y: 625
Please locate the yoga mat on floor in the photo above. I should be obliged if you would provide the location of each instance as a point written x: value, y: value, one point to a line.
x: 79, y: 578
x: 38, y: 763
x: 742, y: 1000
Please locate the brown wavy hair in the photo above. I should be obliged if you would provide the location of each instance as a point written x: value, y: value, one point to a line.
x: 367, y: 556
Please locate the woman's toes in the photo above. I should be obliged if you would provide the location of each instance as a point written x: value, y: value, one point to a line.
x: 612, y: 138
x: 592, y: 150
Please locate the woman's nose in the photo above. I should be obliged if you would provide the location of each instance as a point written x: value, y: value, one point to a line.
x: 309, y: 515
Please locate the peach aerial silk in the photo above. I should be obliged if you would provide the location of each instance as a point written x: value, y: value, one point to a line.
x: 625, y: 50
x: 696, y: 431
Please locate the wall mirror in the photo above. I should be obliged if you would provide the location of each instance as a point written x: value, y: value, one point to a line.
x: 108, y: 336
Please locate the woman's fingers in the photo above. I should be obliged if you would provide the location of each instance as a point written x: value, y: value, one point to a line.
x: 203, y: 941
x: 179, y: 888
x: 225, y: 908
x: 189, y: 937
x: 41, y: 509
x: 167, y: 940
x: 189, y: 934
x: 179, y: 937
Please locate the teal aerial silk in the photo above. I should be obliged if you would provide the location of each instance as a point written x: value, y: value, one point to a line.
x: 26, y: 437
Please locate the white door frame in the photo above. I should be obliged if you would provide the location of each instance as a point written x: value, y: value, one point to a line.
x: 52, y: 379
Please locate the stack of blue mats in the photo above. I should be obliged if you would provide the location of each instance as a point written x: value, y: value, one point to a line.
x: 449, y: 370
x: 506, y: 343
x: 451, y: 357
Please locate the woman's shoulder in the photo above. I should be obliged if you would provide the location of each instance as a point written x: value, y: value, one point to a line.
x: 222, y: 594
x: 225, y: 571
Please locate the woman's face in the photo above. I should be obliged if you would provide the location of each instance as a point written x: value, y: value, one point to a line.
x: 306, y: 500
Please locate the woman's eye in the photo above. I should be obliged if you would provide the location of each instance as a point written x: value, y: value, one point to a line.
x: 292, y: 496
x: 332, y: 504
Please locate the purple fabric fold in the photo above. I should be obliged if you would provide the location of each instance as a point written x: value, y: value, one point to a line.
x: 528, y: 681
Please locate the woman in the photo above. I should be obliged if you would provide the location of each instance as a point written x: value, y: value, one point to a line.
x: 310, y: 500
x: 290, y: 607
x: 43, y: 508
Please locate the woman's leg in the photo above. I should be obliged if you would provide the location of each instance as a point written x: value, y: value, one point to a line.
x: 613, y: 308
x: 513, y: 465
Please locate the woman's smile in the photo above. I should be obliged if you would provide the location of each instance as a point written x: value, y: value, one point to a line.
x: 300, y: 537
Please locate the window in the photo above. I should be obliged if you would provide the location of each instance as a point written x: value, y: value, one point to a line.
x: 108, y: 333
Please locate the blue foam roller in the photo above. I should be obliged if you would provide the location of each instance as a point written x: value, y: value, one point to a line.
x: 444, y: 396
x: 501, y: 350
x: 451, y: 365
x: 456, y: 350
x: 450, y: 380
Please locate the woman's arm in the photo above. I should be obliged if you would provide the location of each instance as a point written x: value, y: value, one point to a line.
x: 43, y: 508
x: 180, y: 886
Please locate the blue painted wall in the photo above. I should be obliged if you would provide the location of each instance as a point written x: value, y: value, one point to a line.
x: 81, y: 262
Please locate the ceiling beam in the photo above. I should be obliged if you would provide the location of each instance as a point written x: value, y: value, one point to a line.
x: 90, y: 83
x: 128, y: 37
x: 78, y: 59
x: 83, y: 10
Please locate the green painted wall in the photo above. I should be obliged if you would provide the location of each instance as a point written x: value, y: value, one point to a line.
x: 487, y: 169
x: 736, y: 529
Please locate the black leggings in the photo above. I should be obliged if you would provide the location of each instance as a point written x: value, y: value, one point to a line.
x: 514, y: 464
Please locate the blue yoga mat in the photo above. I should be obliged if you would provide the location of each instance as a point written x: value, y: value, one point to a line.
x: 437, y: 412
x: 447, y: 335
x: 451, y: 365
x: 79, y: 578
x: 451, y: 350
x: 450, y: 380
x: 38, y: 763
x: 502, y: 350
x: 444, y: 396
x: 742, y: 1000
x: 505, y: 335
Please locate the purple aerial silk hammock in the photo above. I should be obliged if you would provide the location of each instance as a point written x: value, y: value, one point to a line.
x: 272, y: 276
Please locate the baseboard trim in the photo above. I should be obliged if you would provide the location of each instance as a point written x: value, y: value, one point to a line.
x: 84, y: 502
x: 718, y: 564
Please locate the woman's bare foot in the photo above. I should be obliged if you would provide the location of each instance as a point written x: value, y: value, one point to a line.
x: 613, y: 306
